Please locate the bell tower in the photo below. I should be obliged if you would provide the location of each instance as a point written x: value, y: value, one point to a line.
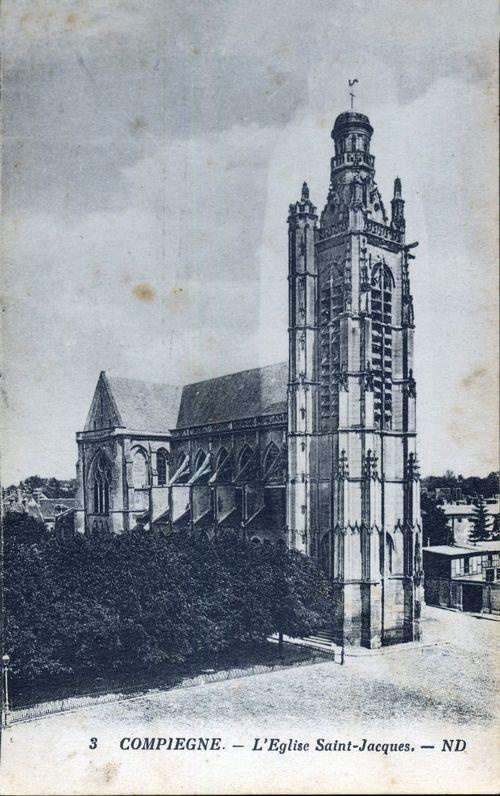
x: 354, y: 484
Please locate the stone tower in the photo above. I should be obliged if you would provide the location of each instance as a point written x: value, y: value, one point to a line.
x: 353, y: 492
x: 303, y: 384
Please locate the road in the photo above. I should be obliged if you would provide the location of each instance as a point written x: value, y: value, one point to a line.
x: 416, y: 695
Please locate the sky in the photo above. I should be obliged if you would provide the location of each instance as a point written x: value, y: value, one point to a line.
x: 150, y: 153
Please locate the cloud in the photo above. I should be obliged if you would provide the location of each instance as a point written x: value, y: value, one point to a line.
x: 446, y: 161
x: 148, y: 146
x: 72, y: 304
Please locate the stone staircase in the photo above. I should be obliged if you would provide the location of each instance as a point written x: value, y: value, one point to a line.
x: 322, y: 638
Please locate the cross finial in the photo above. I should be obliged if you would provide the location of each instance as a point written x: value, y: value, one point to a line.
x: 351, y: 93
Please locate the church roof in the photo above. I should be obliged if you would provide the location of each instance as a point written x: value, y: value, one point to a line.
x: 153, y: 407
x: 249, y: 393
x: 145, y: 405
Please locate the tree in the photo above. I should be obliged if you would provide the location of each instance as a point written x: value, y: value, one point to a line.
x: 472, y: 486
x: 435, y: 528
x: 481, y: 522
x: 94, y: 605
x: 491, y: 485
x: 32, y: 482
x: 298, y: 593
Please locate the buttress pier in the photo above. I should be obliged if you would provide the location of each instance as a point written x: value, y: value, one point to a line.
x: 353, y: 492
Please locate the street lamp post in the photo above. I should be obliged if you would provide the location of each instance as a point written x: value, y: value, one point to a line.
x: 6, y: 708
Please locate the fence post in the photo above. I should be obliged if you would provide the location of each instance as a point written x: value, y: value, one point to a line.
x: 342, y: 655
x: 5, y: 706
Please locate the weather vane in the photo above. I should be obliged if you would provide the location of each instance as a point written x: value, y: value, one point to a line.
x: 351, y: 93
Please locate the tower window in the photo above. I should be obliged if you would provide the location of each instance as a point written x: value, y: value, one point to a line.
x: 331, y: 309
x: 381, y: 298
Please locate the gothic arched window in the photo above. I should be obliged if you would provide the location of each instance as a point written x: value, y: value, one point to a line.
x: 102, y: 480
x: 382, y: 283
x: 245, y: 456
x: 224, y: 465
x: 270, y: 456
x: 180, y: 460
x: 221, y: 457
x: 200, y: 458
x: 162, y: 467
x: 140, y: 474
x: 182, y: 465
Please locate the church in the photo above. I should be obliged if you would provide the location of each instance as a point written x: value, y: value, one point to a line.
x: 319, y: 451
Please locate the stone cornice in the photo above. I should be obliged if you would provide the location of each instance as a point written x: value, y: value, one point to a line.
x: 230, y: 426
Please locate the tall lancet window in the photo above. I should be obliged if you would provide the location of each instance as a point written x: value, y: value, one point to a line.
x: 331, y: 308
x: 140, y: 474
x: 382, y: 284
x: 162, y: 467
x: 102, y: 481
x: 325, y: 368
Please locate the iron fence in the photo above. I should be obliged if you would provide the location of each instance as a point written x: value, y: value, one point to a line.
x: 193, y: 673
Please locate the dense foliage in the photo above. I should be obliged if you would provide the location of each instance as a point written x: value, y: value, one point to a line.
x: 141, y: 599
x: 52, y: 487
x: 481, y: 523
x: 473, y: 486
x: 435, y: 529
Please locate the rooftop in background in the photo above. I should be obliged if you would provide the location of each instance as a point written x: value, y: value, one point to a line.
x: 455, y: 550
x: 48, y: 506
x: 459, y: 508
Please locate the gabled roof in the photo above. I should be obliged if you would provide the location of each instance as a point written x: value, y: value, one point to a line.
x: 146, y: 406
x: 48, y: 506
x: 153, y: 407
x: 135, y: 404
x: 45, y: 509
x: 249, y: 393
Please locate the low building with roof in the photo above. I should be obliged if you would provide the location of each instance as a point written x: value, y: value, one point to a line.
x: 48, y: 509
x: 466, y: 578
x: 459, y: 516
